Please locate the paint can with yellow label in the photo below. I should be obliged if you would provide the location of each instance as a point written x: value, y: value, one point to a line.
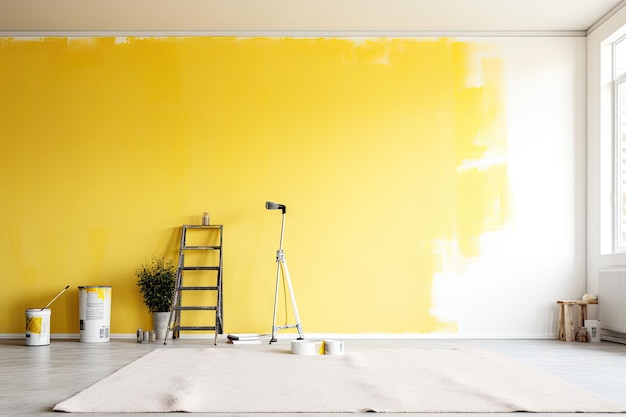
x: 94, y: 313
x: 38, y: 327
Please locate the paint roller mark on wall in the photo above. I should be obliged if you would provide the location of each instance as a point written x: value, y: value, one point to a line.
x: 480, y: 189
x: 480, y: 135
x: 445, y: 98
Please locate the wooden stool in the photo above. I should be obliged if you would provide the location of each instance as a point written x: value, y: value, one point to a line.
x: 567, y: 327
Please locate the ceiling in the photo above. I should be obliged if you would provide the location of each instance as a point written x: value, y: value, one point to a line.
x: 394, y: 16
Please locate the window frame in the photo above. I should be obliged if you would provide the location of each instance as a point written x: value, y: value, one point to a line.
x: 619, y: 150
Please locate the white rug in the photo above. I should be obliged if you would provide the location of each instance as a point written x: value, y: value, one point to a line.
x: 230, y: 379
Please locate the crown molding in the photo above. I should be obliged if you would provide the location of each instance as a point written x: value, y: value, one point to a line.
x: 299, y: 34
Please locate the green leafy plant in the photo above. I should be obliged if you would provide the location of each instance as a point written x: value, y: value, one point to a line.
x: 157, y: 282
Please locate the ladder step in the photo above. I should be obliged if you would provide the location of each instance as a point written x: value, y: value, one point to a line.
x: 199, y: 268
x: 201, y: 247
x: 194, y: 328
x: 195, y: 308
x: 198, y: 288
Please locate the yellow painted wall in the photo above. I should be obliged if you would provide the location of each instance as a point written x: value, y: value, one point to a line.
x: 375, y: 146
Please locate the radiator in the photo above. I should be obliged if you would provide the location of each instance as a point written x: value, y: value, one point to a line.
x: 612, y: 299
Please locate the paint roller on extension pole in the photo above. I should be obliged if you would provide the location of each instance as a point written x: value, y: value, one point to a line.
x: 281, y: 266
x: 54, y: 299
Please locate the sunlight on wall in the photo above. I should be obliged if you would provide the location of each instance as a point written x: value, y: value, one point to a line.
x: 389, y: 153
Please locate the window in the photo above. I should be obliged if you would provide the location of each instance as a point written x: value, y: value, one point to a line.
x: 619, y: 84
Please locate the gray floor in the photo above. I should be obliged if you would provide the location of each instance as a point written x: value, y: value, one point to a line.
x: 34, y: 378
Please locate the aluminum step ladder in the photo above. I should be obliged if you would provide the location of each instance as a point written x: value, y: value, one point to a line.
x: 200, y: 263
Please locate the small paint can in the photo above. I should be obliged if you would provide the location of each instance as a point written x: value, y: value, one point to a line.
x: 307, y: 347
x: 139, y: 335
x: 334, y: 347
x: 152, y: 336
x: 38, y: 326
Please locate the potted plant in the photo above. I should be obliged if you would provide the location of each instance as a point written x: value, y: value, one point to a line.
x: 157, y: 283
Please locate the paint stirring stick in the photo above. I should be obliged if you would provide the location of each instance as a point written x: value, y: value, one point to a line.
x: 52, y: 301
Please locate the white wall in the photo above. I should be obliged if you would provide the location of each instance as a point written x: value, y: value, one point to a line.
x: 512, y: 288
x: 599, y: 153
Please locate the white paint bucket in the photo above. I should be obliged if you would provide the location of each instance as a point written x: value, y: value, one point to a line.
x: 593, y: 330
x: 307, y: 347
x: 334, y: 347
x: 38, y: 327
x: 94, y: 313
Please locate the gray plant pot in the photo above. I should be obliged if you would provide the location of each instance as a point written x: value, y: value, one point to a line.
x: 160, y: 320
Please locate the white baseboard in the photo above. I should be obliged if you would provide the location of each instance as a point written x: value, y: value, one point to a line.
x: 321, y: 336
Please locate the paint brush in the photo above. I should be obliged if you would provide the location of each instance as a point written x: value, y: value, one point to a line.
x: 52, y: 301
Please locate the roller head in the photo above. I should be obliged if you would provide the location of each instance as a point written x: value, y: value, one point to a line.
x: 275, y: 206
